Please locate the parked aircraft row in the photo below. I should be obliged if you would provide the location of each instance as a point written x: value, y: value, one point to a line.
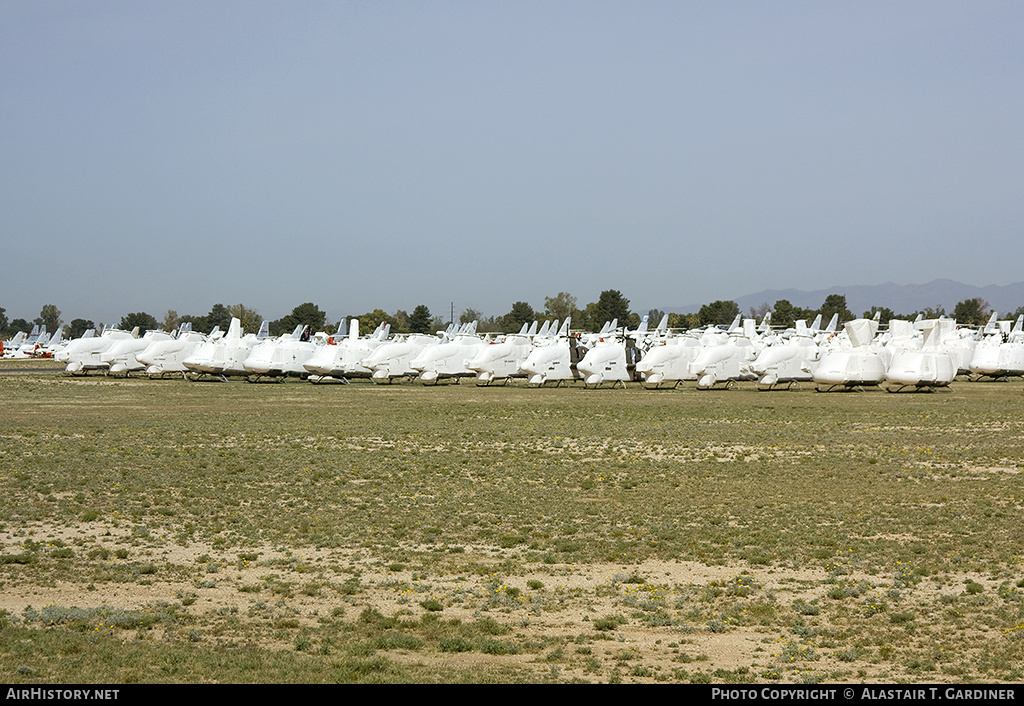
x: 37, y: 344
x: 906, y: 355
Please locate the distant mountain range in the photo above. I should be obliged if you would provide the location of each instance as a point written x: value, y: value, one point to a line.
x: 901, y: 298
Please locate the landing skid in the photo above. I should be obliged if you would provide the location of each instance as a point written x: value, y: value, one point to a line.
x: 317, y: 379
x: 199, y: 377
x: 791, y: 385
x: 163, y: 376
x: 597, y: 385
x: 658, y: 386
x: 841, y: 387
x: 493, y: 381
x: 914, y: 388
x: 724, y: 385
x: 268, y: 378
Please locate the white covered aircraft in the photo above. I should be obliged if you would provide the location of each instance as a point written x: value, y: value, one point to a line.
x: 726, y: 358
x: 1000, y: 354
x: 121, y: 356
x: 554, y: 362
x: 449, y: 359
x: 167, y: 357
x: 501, y: 360
x: 340, y: 358
x: 615, y: 358
x: 281, y: 357
x: 853, y: 360
x: 922, y: 364
x: 224, y: 357
x: 789, y: 361
x: 83, y: 354
x: 391, y: 360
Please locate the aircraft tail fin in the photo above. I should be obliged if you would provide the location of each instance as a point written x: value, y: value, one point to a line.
x: 564, y: 331
x: 832, y: 324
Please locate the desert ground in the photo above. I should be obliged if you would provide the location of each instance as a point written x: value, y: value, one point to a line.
x: 170, y: 531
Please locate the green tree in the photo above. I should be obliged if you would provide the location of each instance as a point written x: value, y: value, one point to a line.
x: 420, y: 320
x: 561, y: 306
x: 219, y: 316
x: 718, y: 313
x: 784, y: 314
x: 835, y: 304
x: 372, y: 319
x: 469, y: 315
x: 18, y: 325
x: 884, y: 314
x: 171, y: 320
x: 78, y: 327
x: 4, y: 323
x: 50, y: 316
x: 249, y: 318
x: 144, y: 321
x: 971, y: 311
x: 609, y: 306
x: 521, y: 313
x: 400, y: 321
x: 307, y: 314
x: 683, y: 321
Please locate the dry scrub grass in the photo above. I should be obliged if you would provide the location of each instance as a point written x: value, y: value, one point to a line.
x: 174, y: 531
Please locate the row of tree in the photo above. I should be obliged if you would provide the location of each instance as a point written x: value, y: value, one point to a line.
x: 610, y: 305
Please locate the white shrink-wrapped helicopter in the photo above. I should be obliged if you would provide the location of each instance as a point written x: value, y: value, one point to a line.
x: 555, y: 362
x: 224, y: 357
x: 391, y: 360
x: 789, y: 361
x: 340, y: 358
x: 615, y: 358
x: 925, y: 366
x: 726, y: 358
x: 852, y: 360
x: 284, y: 356
x: 163, y: 358
x: 121, y: 357
x: 83, y: 354
x: 1000, y: 354
x: 502, y: 359
x: 449, y: 359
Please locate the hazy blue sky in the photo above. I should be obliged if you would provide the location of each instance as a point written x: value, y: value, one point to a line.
x: 172, y: 155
